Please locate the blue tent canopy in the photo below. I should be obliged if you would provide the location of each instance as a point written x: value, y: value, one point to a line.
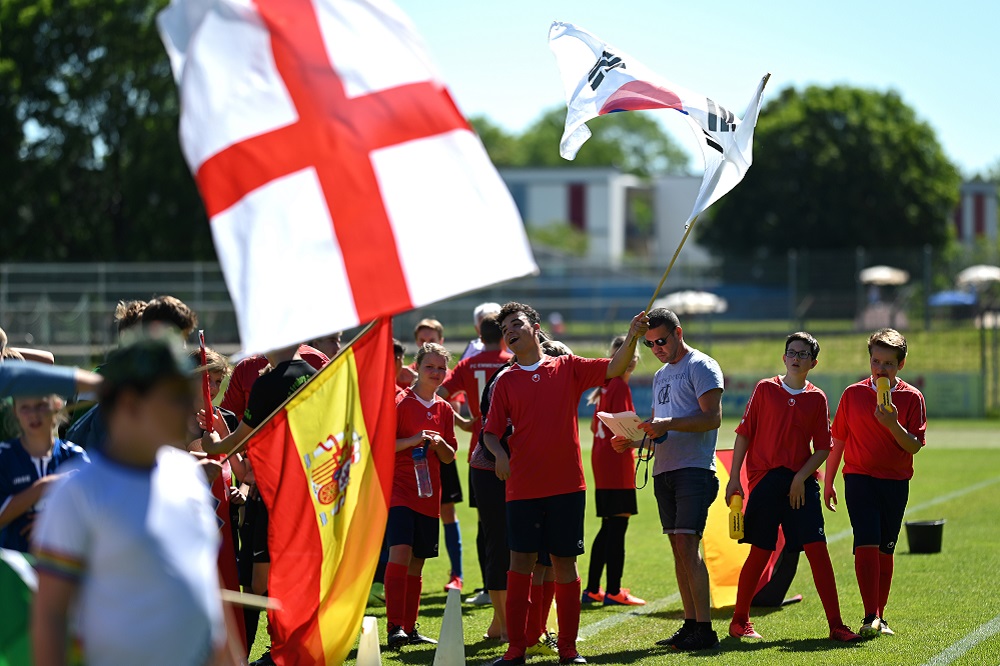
x: 951, y: 297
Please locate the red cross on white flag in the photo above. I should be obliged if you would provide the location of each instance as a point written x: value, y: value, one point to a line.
x: 341, y: 181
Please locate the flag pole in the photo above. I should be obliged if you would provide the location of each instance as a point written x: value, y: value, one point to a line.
x: 239, y: 447
x: 663, y: 279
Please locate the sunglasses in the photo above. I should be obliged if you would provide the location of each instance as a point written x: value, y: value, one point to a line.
x: 659, y: 342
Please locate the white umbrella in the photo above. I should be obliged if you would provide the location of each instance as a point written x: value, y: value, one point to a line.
x: 883, y: 275
x: 692, y: 302
x: 978, y: 274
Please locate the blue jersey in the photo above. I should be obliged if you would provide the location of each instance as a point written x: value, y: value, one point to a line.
x: 18, y: 471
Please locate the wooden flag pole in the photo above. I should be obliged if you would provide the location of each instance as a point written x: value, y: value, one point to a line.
x: 663, y: 279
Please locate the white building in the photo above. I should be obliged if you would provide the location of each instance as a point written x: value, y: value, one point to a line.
x: 976, y: 214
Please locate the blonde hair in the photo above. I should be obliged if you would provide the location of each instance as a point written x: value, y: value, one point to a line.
x: 432, y: 348
x: 57, y: 404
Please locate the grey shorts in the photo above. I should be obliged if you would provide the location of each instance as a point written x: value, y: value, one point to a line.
x: 683, y: 497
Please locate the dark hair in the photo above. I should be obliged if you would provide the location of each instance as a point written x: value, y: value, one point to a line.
x: 513, y: 307
x: 802, y: 336
x: 397, y: 348
x: 489, y: 330
x: 128, y: 314
x: 889, y: 338
x: 662, y: 316
x: 170, y: 310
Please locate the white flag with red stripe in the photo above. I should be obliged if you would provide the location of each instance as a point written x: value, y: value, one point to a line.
x: 600, y: 79
x: 341, y: 181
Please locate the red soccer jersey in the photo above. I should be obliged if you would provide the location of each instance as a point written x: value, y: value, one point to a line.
x: 412, y: 416
x: 612, y: 470
x: 540, y: 401
x: 248, y: 370
x: 470, y: 376
x: 869, y: 447
x: 780, y: 424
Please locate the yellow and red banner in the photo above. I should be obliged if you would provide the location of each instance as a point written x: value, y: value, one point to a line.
x: 324, y: 464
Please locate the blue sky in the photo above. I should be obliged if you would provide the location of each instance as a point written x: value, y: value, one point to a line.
x: 943, y: 58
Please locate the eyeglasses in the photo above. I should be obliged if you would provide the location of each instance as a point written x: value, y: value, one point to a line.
x: 659, y: 342
x: 802, y: 355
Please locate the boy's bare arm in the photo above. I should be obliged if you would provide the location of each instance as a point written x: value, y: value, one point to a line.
x: 890, y: 420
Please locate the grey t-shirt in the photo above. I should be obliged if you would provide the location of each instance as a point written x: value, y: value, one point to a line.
x: 676, y: 389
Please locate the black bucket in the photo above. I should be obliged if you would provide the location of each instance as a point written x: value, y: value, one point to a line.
x: 924, y: 536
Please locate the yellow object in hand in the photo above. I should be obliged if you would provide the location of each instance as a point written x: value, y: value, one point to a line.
x: 736, y: 517
x: 884, y: 397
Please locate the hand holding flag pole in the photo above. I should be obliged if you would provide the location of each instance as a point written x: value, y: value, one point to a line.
x: 205, y: 389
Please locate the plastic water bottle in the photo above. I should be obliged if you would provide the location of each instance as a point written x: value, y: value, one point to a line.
x: 736, y: 517
x: 884, y: 394
x: 423, y: 471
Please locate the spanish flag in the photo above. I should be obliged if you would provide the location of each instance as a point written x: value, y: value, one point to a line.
x: 323, y: 464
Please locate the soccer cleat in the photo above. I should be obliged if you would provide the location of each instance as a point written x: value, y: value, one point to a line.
x: 623, y: 598
x: 884, y: 628
x: 454, y: 584
x: 574, y: 658
x: 592, y: 597
x: 743, y: 630
x: 679, y: 634
x: 699, y: 639
x: 871, y: 626
x: 480, y: 598
x: 416, y: 638
x: 546, y: 646
x: 844, y: 634
x: 396, y: 637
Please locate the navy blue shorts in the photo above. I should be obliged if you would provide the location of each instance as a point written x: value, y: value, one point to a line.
x: 451, y: 487
x: 615, y: 501
x: 547, y: 524
x: 407, y: 527
x: 768, y: 507
x: 683, y: 497
x: 876, y: 508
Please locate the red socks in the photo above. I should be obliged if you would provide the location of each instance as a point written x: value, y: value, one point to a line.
x: 395, y: 593
x: 866, y: 567
x: 749, y: 577
x: 536, y: 622
x: 568, y: 611
x: 518, y: 594
x: 826, y: 582
x: 412, y: 605
x: 885, y: 563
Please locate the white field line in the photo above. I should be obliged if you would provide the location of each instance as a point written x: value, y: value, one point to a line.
x: 973, y: 639
x: 940, y: 499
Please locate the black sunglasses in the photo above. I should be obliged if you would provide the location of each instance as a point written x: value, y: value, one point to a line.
x: 659, y: 342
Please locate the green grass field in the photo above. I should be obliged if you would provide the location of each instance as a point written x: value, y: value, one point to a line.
x: 944, y: 607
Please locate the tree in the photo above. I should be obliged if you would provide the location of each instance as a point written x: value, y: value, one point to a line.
x: 634, y: 142
x: 837, y: 167
x: 90, y: 162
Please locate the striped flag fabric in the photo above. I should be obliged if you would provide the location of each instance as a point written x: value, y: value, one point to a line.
x: 599, y: 79
x: 332, y: 162
x: 324, y: 465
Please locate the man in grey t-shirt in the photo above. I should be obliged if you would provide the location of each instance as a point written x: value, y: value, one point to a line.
x: 687, y: 411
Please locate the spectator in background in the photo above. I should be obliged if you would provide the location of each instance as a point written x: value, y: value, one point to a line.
x: 249, y: 369
x: 328, y: 344
x: 30, y: 464
x: 476, y: 345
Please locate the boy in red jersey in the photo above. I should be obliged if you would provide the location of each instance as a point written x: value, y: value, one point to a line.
x: 423, y: 418
x: 783, y: 415
x: 877, y: 445
x: 538, y: 396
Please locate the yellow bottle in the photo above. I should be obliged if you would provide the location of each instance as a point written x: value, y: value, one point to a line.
x: 736, y: 517
x: 884, y: 397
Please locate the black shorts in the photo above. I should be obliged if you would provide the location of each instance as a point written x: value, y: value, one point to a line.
x: 259, y: 538
x: 683, y: 497
x: 472, y: 492
x: 876, y: 508
x: 406, y: 527
x: 550, y: 524
x: 490, y: 494
x: 615, y: 501
x: 451, y: 488
x: 768, y: 507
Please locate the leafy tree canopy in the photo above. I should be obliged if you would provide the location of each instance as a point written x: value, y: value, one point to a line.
x: 837, y: 167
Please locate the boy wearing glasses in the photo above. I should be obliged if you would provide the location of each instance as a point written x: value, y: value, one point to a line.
x: 784, y: 414
x: 877, y: 445
x: 687, y: 407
